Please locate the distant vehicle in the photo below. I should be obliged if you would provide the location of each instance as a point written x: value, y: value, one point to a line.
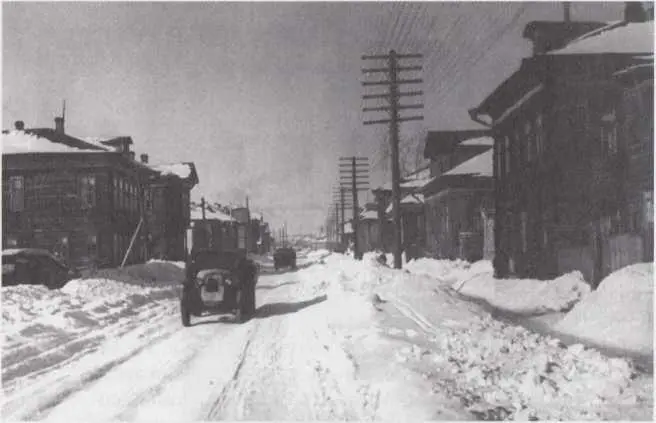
x: 34, y: 266
x: 219, y: 282
x: 284, y: 257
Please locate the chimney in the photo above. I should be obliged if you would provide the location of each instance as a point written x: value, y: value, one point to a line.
x: 19, y: 125
x: 59, y: 125
x: 567, y: 6
x: 635, y: 12
x: 144, y: 158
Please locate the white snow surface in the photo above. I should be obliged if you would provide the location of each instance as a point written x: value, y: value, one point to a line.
x: 480, y: 165
x: 632, y: 38
x: 527, y: 296
x: 480, y: 141
x: 183, y: 170
x: 16, y: 142
x: 619, y: 313
x: 338, y: 339
x: 211, y: 214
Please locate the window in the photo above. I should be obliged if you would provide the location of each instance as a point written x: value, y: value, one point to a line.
x: 528, y: 141
x: 88, y: 191
x: 648, y: 206
x: 539, y: 135
x: 609, y: 132
x: 16, y: 193
x: 507, y: 153
x: 524, y: 228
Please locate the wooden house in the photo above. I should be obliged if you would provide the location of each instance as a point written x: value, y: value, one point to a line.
x: 368, y: 228
x: 88, y: 202
x: 458, y: 196
x: 573, y: 156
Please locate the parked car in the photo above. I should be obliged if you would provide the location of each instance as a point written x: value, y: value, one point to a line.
x: 219, y: 282
x: 284, y: 257
x: 34, y: 266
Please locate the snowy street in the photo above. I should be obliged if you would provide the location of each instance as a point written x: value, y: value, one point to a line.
x: 336, y: 340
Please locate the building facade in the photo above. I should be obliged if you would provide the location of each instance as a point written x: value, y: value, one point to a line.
x: 573, y: 157
x: 88, y: 203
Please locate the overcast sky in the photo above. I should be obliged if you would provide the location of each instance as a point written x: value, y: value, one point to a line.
x: 262, y: 97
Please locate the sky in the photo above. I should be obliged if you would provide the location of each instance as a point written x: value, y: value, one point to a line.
x: 264, y: 98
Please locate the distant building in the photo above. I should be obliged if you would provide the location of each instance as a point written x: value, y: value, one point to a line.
x: 212, y: 228
x: 83, y: 200
x: 458, y: 197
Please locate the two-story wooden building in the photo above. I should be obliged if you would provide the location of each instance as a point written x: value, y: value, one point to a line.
x: 459, y: 195
x: 573, y: 156
x: 85, y: 201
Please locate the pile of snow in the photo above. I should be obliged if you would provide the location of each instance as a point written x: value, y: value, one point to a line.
x: 155, y: 272
x: 506, y: 372
x: 44, y: 327
x: 318, y: 254
x: 526, y: 296
x: 450, y: 271
x: 498, y: 371
x: 619, y: 314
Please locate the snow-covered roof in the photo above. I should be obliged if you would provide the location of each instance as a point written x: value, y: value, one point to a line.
x: 348, y: 229
x: 20, y: 142
x: 479, y: 141
x: 197, y: 214
x: 480, y: 165
x: 98, y: 142
x: 413, y: 199
x: 408, y: 199
x: 369, y: 214
x: 631, y: 38
x: 636, y: 68
x: 256, y: 215
x: 183, y: 170
x: 417, y: 183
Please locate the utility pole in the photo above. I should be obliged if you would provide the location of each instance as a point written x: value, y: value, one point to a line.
x: 341, y: 203
x: 392, y: 70
x: 354, y: 174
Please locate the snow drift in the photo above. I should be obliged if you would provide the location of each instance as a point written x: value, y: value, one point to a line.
x: 527, y: 296
x: 51, y: 326
x: 619, y: 314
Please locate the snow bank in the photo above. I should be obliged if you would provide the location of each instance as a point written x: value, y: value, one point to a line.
x: 450, y: 271
x: 527, y: 296
x: 619, y: 314
x: 43, y: 327
x: 497, y: 370
x: 155, y: 272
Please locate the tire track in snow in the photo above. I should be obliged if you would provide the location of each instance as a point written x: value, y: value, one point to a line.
x: 232, y: 383
x: 44, y: 407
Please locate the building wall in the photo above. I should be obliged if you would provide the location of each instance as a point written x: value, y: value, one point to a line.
x: 454, y: 217
x: 86, y: 207
x: 565, y: 172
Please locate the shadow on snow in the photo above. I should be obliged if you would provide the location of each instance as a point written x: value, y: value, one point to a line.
x: 266, y: 310
x: 277, y: 286
x: 278, y: 309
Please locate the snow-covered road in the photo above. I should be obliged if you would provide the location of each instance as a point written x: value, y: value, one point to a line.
x: 289, y: 362
x: 335, y: 340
